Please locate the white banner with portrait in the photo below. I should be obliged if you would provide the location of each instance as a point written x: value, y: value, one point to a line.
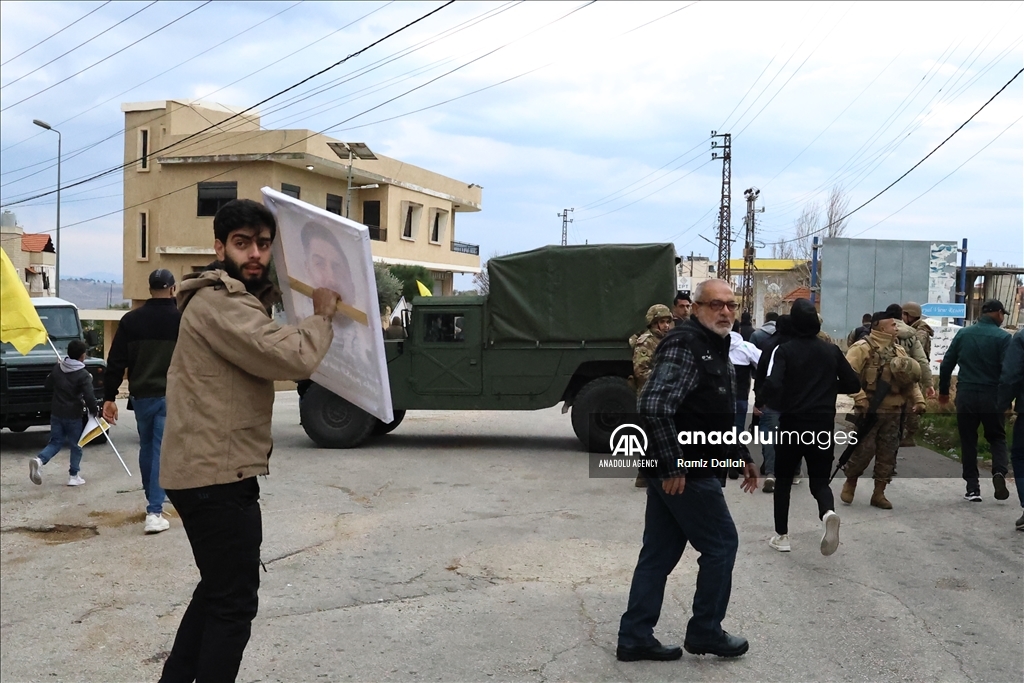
x: 316, y: 248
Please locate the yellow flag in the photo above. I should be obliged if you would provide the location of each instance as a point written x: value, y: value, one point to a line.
x: 19, y: 323
x: 423, y: 289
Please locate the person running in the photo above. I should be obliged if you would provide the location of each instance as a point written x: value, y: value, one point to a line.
x: 806, y: 375
x: 71, y: 384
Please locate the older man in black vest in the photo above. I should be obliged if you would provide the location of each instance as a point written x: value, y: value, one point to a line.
x: 688, y: 405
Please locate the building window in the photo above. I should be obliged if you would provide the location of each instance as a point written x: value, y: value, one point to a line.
x: 144, y: 149
x: 411, y: 218
x: 143, y: 236
x: 371, y: 213
x: 212, y: 196
x: 438, y: 221
x: 290, y: 190
x: 334, y: 203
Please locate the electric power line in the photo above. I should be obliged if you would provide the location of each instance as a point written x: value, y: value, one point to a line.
x: 57, y: 33
x: 887, y: 187
x: 113, y: 54
x: 244, y: 111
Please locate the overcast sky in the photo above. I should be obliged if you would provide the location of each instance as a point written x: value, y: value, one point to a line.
x: 609, y: 110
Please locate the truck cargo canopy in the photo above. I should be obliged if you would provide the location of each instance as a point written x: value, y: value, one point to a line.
x: 578, y: 293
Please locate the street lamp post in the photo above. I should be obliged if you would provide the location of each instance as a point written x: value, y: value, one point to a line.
x: 43, y: 124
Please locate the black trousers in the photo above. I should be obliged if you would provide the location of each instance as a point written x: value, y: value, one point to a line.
x: 225, y: 529
x: 819, y: 466
x: 975, y: 409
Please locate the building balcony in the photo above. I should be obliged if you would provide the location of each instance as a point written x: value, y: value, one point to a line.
x: 378, y: 234
x: 464, y: 248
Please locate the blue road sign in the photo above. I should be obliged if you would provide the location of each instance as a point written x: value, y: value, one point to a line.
x: 944, y: 310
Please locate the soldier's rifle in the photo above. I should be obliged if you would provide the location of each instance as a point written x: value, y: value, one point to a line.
x: 864, y: 425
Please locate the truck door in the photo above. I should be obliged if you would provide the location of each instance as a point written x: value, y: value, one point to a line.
x: 446, y: 352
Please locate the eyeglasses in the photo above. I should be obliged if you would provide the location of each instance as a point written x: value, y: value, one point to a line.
x: 717, y: 305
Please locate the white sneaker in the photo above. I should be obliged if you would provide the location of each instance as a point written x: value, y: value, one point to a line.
x: 796, y: 480
x: 780, y: 543
x: 34, y: 473
x: 830, y: 539
x: 76, y: 480
x: 155, y: 523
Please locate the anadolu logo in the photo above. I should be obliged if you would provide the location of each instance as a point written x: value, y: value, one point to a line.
x: 628, y: 440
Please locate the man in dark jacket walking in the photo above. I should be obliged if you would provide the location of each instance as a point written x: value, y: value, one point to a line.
x: 761, y: 336
x: 691, y: 391
x: 71, y: 384
x: 143, y: 345
x: 978, y: 350
x: 806, y: 375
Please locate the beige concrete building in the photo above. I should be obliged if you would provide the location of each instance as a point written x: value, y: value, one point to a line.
x: 32, y: 255
x: 172, y: 192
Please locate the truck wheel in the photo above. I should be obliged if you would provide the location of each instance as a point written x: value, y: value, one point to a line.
x: 382, y: 428
x: 331, y: 421
x: 17, y: 429
x: 603, y: 397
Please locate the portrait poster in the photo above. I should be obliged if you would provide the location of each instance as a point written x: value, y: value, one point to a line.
x: 316, y: 248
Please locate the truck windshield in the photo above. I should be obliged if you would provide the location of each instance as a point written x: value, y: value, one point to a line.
x: 60, y: 322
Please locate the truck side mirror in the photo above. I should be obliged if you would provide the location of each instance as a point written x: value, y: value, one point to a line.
x: 91, y: 338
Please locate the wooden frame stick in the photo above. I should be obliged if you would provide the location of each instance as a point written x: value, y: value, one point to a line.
x: 343, y: 308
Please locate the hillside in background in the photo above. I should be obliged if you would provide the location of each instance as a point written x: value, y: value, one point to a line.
x: 88, y: 293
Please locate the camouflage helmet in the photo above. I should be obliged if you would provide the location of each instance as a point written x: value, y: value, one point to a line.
x: 905, y: 371
x: 657, y: 311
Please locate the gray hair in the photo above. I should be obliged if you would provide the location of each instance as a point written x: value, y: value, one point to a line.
x: 698, y: 292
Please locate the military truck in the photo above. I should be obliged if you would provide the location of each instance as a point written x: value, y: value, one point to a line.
x: 554, y: 327
x: 24, y: 400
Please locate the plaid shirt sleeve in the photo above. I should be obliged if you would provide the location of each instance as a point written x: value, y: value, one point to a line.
x: 674, y: 376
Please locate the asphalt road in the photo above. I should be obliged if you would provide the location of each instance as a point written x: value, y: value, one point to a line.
x: 473, y: 546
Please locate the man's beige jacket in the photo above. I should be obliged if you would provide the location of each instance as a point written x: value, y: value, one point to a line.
x: 220, y: 384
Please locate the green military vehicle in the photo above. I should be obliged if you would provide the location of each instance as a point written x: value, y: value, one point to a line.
x: 24, y: 400
x: 554, y: 327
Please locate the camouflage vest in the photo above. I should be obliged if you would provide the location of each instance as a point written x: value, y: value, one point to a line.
x: 877, y: 366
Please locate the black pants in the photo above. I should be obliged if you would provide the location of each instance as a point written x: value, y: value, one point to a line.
x: 819, y: 466
x: 978, y: 409
x: 225, y: 529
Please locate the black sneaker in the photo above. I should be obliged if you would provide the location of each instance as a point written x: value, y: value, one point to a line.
x: 999, y: 482
x: 1020, y: 523
x: 973, y: 496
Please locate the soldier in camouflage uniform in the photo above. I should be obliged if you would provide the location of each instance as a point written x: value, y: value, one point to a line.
x: 659, y: 322
x: 912, y: 317
x: 879, y: 357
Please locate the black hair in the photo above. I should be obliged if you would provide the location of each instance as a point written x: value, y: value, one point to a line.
x: 883, y: 315
x: 681, y: 296
x: 770, y: 316
x: 242, y: 213
x: 77, y: 349
x: 894, y: 311
x: 745, y: 317
x: 865, y: 319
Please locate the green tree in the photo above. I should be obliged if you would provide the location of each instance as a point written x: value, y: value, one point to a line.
x: 389, y: 287
x: 408, y: 275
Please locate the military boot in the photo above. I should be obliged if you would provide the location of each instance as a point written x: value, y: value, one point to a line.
x: 878, y: 498
x: 849, y: 488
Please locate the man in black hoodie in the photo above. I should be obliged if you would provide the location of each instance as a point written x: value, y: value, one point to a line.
x: 71, y: 384
x: 804, y: 378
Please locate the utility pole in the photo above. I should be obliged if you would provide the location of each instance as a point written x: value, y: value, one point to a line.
x: 747, y: 283
x: 565, y: 225
x: 725, y: 210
